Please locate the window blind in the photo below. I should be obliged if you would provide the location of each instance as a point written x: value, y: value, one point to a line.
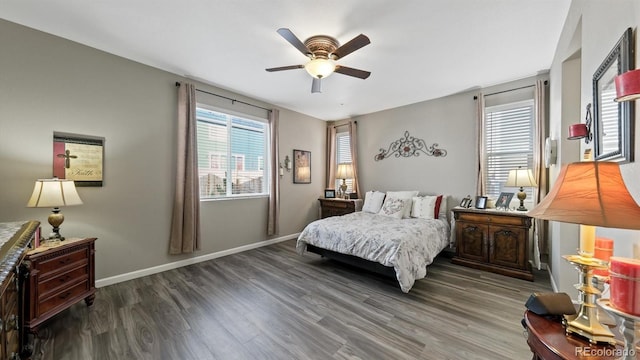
x: 508, y: 143
x: 231, y: 152
x: 343, y: 155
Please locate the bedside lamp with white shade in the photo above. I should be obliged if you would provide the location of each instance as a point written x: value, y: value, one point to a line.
x: 344, y: 172
x: 521, y: 178
x: 54, y: 193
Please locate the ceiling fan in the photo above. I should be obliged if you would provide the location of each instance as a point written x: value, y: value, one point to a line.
x: 323, y: 51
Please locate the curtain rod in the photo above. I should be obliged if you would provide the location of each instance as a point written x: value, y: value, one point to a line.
x: 475, y: 97
x: 345, y: 124
x: 228, y: 98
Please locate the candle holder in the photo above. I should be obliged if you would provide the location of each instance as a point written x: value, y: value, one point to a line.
x: 585, y: 323
x: 627, y: 329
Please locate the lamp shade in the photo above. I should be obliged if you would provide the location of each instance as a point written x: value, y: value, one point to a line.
x: 590, y: 193
x: 54, y: 193
x: 628, y: 85
x: 520, y: 178
x: 320, y: 68
x: 345, y: 171
x: 578, y: 131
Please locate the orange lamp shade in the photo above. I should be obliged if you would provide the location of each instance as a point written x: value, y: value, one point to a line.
x: 590, y: 193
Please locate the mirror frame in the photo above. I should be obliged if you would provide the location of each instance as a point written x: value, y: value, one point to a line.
x: 621, y: 57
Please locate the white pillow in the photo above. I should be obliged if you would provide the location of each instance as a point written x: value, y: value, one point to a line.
x: 403, y: 195
x: 395, y: 207
x: 424, y: 207
x: 443, y: 207
x: 373, y: 201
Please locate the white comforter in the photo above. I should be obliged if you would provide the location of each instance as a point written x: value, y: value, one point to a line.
x: 407, y: 245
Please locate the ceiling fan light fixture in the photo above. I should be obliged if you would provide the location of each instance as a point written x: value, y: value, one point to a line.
x: 320, y: 68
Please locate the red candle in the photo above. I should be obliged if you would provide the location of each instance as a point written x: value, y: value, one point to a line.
x: 624, y: 284
x: 603, y: 250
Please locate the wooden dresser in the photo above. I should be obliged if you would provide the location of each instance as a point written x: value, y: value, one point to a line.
x: 58, y: 277
x: 16, y: 237
x: 492, y: 240
x: 337, y: 207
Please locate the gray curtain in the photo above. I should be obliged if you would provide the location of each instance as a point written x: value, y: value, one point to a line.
x: 331, y: 157
x: 481, y: 159
x: 185, y: 223
x: 353, y: 141
x: 273, y: 217
x: 539, y: 170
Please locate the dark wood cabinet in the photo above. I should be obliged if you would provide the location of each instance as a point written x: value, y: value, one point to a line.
x: 496, y: 241
x: 337, y: 207
x: 58, y: 277
x: 16, y: 238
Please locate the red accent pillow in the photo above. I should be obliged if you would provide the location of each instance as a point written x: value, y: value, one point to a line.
x: 436, y: 210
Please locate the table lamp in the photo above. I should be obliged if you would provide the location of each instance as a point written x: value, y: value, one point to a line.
x: 589, y: 193
x: 345, y: 171
x: 520, y: 178
x: 54, y: 193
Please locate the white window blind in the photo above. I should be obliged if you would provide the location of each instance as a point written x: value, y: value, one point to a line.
x: 508, y: 143
x: 343, y: 155
x: 244, y: 142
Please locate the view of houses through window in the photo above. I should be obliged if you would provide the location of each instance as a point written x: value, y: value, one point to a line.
x: 508, y: 142
x: 231, y: 153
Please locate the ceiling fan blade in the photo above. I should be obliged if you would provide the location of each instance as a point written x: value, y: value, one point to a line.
x: 353, y: 45
x: 291, y: 67
x: 293, y: 40
x: 316, y: 86
x: 352, y: 72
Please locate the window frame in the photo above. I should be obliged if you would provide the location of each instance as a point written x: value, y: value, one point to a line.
x: 230, y: 166
x: 491, y: 169
x: 340, y: 159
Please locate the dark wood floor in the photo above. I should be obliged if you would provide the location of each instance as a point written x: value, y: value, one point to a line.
x: 271, y: 303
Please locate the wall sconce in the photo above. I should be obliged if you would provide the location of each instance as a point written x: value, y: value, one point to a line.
x: 582, y: 131
x: 628, y: 86
x: 287, y: 163
x: 280, y: 169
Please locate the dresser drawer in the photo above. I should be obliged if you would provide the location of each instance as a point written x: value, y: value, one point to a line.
x: 62, y: 281
x: 49, y: 266
x: 492, y: 219
x: 61, y: 298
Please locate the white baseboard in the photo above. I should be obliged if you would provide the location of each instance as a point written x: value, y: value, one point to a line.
x: 174, y: 265
x: 551, y: 279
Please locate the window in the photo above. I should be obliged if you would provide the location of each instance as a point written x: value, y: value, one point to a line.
x: 343, y: 155
x: 508, y: 143
x: 240, y: 140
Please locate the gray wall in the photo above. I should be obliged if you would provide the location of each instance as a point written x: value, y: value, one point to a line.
x: 591, y: 30
x: 50, y: 84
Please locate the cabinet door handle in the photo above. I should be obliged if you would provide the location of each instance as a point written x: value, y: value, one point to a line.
x: 64, y: 278
x: 65, y: 295
x: 65, y: 261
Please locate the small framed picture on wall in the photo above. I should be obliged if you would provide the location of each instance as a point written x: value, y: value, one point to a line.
x: 301, y: 167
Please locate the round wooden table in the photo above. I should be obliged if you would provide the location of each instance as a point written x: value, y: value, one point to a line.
x: 548, y: 341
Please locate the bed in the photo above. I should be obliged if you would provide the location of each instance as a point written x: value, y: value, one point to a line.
x: 400, y: 246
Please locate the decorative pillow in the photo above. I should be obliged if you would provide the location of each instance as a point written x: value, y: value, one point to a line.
x: 395, y: 207
x: 403, y: 195
x: 424, y: 207
x: 441, y: 207
x: 373, y: 201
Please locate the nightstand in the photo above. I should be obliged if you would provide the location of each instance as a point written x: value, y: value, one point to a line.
x: 493, y: 240
x: 337, y: 207
x: 57, y: 277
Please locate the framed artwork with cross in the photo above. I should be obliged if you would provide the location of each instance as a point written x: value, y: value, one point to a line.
x: 78, y: 158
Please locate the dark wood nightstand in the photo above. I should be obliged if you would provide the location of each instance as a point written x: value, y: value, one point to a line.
x: 58, y: 277
x: 492, y: 240
x: 337, y: 207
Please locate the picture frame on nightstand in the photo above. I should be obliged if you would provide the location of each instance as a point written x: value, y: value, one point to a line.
x: 329, y: 194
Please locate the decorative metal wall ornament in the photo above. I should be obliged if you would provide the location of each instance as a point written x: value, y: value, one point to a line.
x: 410, y: 146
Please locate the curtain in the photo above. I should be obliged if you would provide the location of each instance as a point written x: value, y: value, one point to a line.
x: 331, y: 157
x: 539, y: 170
x: 273, y: 217
x: 185, y: 223
x: 353, y: 141
x: 481, y: 159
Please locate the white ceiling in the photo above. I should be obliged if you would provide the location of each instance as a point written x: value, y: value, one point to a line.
x: 420, y: 49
